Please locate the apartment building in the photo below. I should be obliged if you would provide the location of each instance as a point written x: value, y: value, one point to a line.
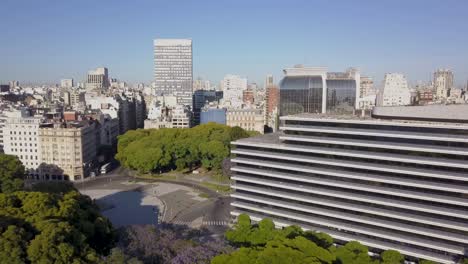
x: 68, y: 150
x: 20, y: 138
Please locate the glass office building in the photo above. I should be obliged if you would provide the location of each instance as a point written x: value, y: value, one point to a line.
x: 341, y: 96
x: 313, y: 90
x: 301, y: 94
x: 388, y: 184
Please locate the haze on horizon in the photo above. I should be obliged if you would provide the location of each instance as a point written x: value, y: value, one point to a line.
x: 44, y: 41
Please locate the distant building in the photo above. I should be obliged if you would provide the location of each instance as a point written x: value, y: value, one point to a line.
x: 4, y: 88
x: 248, y: 97
x: 314, y: 90
x: 271, y: 105
x: 74, y: 98
x: 248, y: 119
x: 269, y: 81
x: 367, y: 87
x: 233, y: 87
x: 395, y: 91
x: 169, y: 117
x: 173, y: 69
x: 14, y: 84
x: 425, y: 96
x: 443, y: 82
x: 98, y: 80
x: 66, y: 83
x: 200, y: 99
x: 200, y: 84
x: 213, y: 114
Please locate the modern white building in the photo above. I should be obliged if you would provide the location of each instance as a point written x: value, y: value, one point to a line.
x: 443, y: 83
x: 395, y: 91
x: 233, y: 87
x: 173, y: 72
x: 98, y: 80
x: 398, y: 182
x: 21, y: 138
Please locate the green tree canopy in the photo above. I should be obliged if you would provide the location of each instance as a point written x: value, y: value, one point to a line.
x: 11, y: 173
x: 155, y: 150
x: 392, y: 257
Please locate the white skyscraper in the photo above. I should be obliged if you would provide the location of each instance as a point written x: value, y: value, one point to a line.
x: 173, y: 72
x: 395, y: 92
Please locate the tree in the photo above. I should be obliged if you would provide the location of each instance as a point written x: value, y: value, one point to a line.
x: 392, y: 257
x: 13, y: 243
x: 11, y: 173
x: 322, y: 239
x: 155, y: 150
x: 117, y: 256
x: 353, y: 253
x: 240, y: 234
x: 60, y: 243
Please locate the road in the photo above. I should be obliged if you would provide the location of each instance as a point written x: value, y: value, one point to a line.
x: 133, y: 202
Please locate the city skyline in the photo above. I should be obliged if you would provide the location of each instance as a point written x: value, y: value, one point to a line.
x: 268, y: 38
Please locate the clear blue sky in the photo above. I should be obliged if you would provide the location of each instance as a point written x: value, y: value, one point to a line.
x: 45, y: 40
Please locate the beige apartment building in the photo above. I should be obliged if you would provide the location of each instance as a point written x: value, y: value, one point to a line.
x: 248, y: 119
x: 68, y: 150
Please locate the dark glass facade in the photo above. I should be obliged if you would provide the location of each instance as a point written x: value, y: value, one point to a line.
x: 341, y: 96
x: 301, y: 94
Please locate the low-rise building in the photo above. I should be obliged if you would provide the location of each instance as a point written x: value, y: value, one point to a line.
x: 250, y: 119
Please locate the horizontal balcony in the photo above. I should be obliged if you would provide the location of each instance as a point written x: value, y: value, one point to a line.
x: 355, y: 228
x: 424, y: 196
x: 377, y: 144
x: 339, y: 174
x: 351, y: 206
x: 358, y: 154
x: 441, y: 174
x: 372, y: 199
x: 377, y: 133
x: 360, y: 219
x: 373, y: 243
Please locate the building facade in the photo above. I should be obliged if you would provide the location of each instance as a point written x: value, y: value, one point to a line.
x: 98, y: 80
x: 400, y: 185
x: 443, y: 83
x: 233, y: 87
x: 68, y: 151
x: 314, y: 90
x: 173, y: 72
x: 395, y: 91
x: 248, y: 119
x: 21, y: 138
